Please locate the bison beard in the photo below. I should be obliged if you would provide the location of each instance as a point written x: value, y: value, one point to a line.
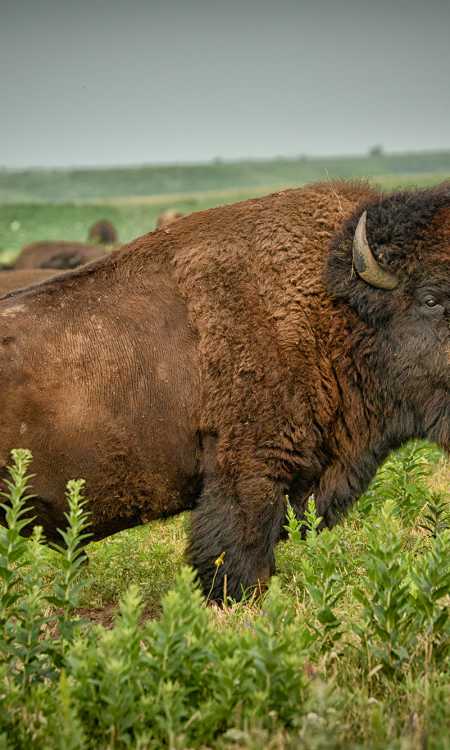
x: 280, y: 346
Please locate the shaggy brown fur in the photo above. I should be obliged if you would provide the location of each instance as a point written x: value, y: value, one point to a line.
x: 58, y: 255
x: 229, y: 362
x: 11, y: 280
x: 167, y: 217
x: 103, y: 232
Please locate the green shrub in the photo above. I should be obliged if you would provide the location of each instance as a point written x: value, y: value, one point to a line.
x: 402, y: 480
x: 406, y: 617
x: 384, y: 593
x: 321, y: 575
x: 349, y: 648
x: 436, y: 515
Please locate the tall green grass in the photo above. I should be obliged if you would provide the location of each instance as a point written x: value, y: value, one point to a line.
x: 349, y: 648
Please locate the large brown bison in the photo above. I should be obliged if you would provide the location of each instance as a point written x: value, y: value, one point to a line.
x: 103, y: 232
x: 58, y: 255
x: 279, y: 346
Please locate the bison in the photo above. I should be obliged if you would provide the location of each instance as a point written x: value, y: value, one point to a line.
x: 58, y: 255
x: 282, y: 346
x: 167, y: 217
x: 11, y: 279
x: 103, y: 232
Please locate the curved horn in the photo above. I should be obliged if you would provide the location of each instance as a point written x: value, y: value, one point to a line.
x: 364, y: 262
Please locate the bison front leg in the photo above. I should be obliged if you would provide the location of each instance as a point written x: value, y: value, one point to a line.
x: 342, y: 484
x: 233, y: 535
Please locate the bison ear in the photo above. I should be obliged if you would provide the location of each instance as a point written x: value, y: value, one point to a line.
x: 364, y: 261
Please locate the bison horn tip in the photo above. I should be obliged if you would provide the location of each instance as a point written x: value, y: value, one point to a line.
x: 364, y: 261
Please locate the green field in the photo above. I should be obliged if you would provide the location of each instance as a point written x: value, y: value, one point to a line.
x: 59, y: 186
x: 350, y: 648
x: 62, y: 204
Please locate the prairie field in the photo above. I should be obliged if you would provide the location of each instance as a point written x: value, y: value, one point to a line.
x: 62, y: 204
x: 349, y: 648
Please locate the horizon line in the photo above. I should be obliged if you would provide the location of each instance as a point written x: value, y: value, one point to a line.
x: 217, y: 161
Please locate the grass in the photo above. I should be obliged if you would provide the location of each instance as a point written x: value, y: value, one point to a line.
x: 22, y: 223
x: 62, y: 204
x: 80, y: 185
x: 350, y: 648
x: 149, y: 557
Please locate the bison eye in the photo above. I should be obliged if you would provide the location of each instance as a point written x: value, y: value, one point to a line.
x: 432, y: 305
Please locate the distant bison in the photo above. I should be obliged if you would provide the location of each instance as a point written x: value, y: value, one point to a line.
x: 167, y: 217
x: 58, y: 255
x: 279, y: 346
x: 11, y: 279
x: 103, y: 232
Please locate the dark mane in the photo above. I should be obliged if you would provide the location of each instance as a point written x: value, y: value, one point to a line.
x: 396, y: 224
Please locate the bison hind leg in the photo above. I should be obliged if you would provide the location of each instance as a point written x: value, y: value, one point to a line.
x: 232, y: 539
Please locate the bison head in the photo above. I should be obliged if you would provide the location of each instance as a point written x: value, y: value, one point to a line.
x: 391, y: 264
x: 103, y: 232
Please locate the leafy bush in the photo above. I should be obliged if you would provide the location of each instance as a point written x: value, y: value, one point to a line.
x: 349, y: 648
x: 402, y: 479
x: 436, y: 516
x: 322, y: 578
x: 25, y: 644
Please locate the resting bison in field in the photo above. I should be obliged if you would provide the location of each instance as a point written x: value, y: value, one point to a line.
x: 58, y: 255
x: 283, y: 345
x: 11, y: 279
x: 103, y: 232
x: 167, y: 217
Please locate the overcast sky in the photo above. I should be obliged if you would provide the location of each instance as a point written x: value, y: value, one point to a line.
x: 139, y: 81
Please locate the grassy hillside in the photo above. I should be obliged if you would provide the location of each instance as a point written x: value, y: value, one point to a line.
x: 41, y: 204
x: 62, y: 186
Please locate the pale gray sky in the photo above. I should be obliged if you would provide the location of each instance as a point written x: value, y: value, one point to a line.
x: 139, y: 81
